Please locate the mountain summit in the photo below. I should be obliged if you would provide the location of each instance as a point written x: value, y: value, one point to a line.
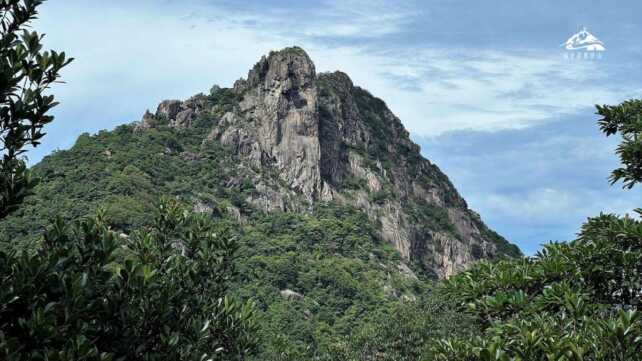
x: 286, y: 139
x: 303, y: 137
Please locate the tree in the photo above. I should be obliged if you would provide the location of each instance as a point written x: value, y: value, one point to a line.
x: 625, y: 119
x: 26, y: 73
x: 573, y: 301
x: 406, y: 332
x: 158, y: 294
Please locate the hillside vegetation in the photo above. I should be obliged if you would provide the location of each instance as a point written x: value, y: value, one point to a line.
x: 287, y: 218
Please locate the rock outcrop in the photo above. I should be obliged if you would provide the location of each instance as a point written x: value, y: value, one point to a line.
x: 179, y: 114
x: 303, y: 137
x: 276, y: 124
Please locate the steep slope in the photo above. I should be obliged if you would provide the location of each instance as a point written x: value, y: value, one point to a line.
x: 315, y: 276
x: 283, y: 139
x: 340, y: 220
x: 326, y: 140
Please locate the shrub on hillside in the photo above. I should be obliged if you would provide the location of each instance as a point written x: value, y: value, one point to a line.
x: 572, y: 301
x: 92, y: 294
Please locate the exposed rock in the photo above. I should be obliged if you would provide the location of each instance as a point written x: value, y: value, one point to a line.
x: 240, y: 86
x: 307, y: 313
x: 148, y: 115
x: 323, y: 138
x: 389, y: 291
x: 169, y: 109
x: 180, y: 246
x: 146, y: 122
x: 291, y: 295
x: 189, y: 156
x: 234, y: 211
x: 196, y: 103
x: 304, y: 137
x: 201, y: 207
x: 277, y: 123
x: 184, y: 118
x: 406, y: 271
x: 408, y: 298
x: 179, y: 114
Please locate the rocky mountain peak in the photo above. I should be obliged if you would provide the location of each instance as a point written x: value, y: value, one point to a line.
x: 290, y: 65
x: 303, y: 137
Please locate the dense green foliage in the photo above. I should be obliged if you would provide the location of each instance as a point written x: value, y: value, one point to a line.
x: 26, y: 72
x: 124, y: 171
x: 230, y: 281
x: 407, y: 332
x: 82, y: 291
x: 572, y: 301
x: 324, y: 285
x: 89, y: 293
x: 348, y: 278
x: 563, y: 304
x: 626, y: 119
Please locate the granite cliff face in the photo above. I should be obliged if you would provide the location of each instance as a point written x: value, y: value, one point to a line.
x: 303, y: 137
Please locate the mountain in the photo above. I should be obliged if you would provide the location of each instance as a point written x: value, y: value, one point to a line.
x: 287, y: 138
x: 342, y: 225
x: 327, y: 140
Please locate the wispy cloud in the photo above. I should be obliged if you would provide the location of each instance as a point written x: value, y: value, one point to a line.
x: 537, y: 184
x: 481, y: 84
x: 174, y: 49
x: 491, y: 90
x: 436, y: 88
x: 358, y: 19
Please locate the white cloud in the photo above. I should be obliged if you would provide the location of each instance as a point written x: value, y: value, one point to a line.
x: 131, y: 55
x: 490, y: 90
x: 537, y: 184
x: 553, y: 205
x: 357, y: 18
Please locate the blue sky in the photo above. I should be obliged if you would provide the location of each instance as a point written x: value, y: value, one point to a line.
x: 482, y: 86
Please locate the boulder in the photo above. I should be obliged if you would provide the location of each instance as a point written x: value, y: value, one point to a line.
x: 169, y: 109
x: 291, y: 295
x: 184, y: 118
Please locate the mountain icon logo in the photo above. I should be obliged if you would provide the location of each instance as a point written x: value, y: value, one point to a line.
x: 584, y: 41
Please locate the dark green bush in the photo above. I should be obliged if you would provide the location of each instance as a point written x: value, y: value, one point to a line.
x: 161, y: 293
x: 26, y: 74
x: 572, y: 301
